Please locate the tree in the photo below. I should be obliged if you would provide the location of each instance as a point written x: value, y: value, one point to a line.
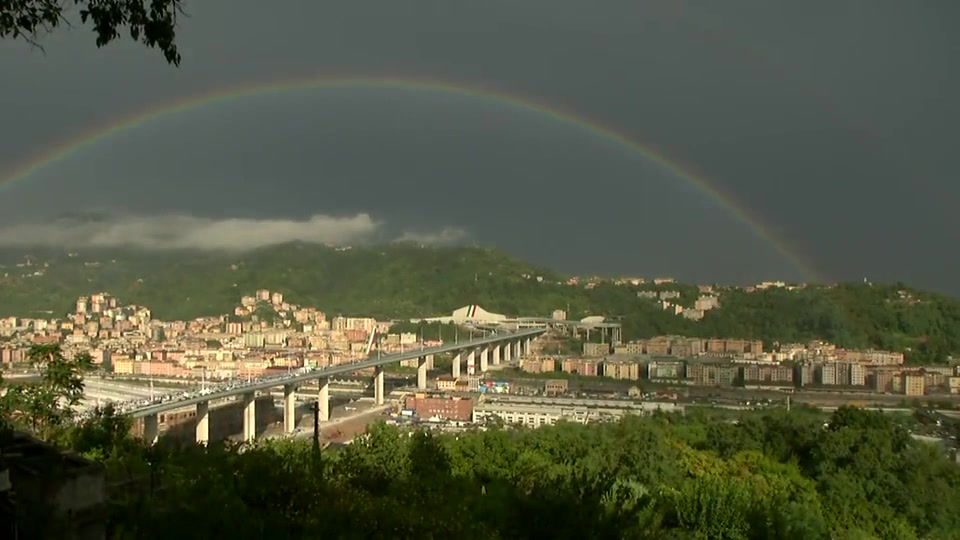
x: 45, y: 407
x: 152, y: 22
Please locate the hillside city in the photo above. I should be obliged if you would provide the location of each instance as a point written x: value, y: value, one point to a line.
x: 268, y: 335
x: 272, y: 372
x: 243, y: 344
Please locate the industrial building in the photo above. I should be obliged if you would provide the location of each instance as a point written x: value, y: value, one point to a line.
x: 536, y: 411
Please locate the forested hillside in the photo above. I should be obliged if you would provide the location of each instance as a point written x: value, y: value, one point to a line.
x: 401, y: 281
x: 775, y: 475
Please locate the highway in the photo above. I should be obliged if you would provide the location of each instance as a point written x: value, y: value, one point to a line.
x: 238, y: 388
x: 97, y: 391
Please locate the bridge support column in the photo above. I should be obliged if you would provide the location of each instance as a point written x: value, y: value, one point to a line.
x: 323, y: 399
x: 203, y: 422
x: 471, y: 363
x: 429, y: 362
x: 378, y: 385
x: 526, y: 346
x: 249, y: 416
x: 289, y: 408
x: 484, y: 359
x: 507, y: 351
x: 456, y: 365
x: 151, y: 429
x: 422, y: 363
x: 496, y: 354
x: 517, y: 353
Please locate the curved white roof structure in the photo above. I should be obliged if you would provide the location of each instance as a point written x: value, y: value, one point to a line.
x: 470, y: 314
x: 475, y: 313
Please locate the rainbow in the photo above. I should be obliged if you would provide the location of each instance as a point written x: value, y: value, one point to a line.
x: 519, y: 103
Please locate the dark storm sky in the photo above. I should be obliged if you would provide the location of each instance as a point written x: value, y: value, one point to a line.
x: 833, y: 123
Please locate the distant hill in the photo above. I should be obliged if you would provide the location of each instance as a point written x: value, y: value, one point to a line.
x: 397, y: 280
x: 402, y: 281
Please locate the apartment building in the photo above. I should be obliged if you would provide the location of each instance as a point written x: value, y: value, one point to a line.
x: 758, y: 375
x: 634, y: 348
x: 658, y: 346
x: 596, y: 349
x: 10, y: 355
x: 884, y: 379
x: 827, y: 374
x: 666, y: 370
x: 869, y: 357
x: 621, y: 369
x: 664, y: 346
x: 712, y: 374
x: 914, y: 384
x: 858, y: 375
x: 538, y: 365
x: 686, y: 347
x: 733, y: 346
x: 590, y: 368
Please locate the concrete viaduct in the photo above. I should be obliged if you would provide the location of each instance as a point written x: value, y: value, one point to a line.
x: 483, y: 351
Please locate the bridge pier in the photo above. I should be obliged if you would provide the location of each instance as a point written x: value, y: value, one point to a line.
x: 378, y: 385
x: 422, y: 363
x: 151, y: 429
x: 289, y: 408
x: 203, y: 422
x: 484, y: 359
x: 456, y: 365
x: 471, y: 363
x: 507, y: 352
x: 323, y: 399
x: 495, y: 351
x: 249, y: 416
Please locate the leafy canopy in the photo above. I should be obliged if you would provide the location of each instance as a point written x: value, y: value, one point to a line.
x: 152, y: 22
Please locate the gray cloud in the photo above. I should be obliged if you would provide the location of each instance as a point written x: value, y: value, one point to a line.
x: 191, y: 232
x: 444, y: 237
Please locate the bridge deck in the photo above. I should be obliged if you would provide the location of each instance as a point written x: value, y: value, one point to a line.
x: 333, y: 370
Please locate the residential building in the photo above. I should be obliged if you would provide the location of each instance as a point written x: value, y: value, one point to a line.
x: 666, y: 370
x: 712, y: 374
x: 590, y: 368
x: 827, y: 374
x: 442, y: 407
x: 557, y: 387
x: 621, y: 369
x: 538, y: 365
x: 914, y: 384
x: 446, y: 383
x: 596, y: 349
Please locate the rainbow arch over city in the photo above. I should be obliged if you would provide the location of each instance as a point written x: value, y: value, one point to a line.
x: 519, y: 103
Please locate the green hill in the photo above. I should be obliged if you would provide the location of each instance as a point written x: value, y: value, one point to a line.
x: 402, y: 281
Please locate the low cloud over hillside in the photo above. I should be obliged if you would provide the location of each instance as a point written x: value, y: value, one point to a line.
x: 191, y: 232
